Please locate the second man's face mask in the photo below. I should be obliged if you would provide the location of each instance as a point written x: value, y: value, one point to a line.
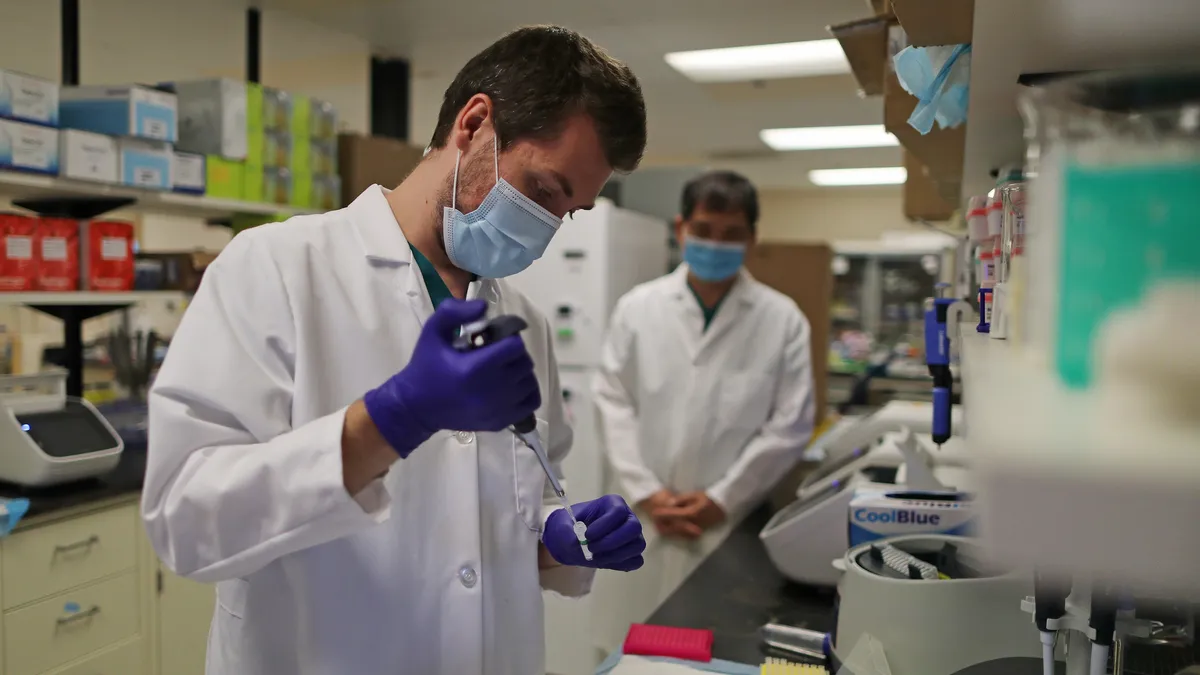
x: 503, y: 236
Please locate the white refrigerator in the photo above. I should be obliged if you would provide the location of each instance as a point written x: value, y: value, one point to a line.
x: 595, y: 258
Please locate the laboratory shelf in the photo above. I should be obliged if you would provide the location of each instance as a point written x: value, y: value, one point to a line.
x: 19, y: 186
x: 87, y: 298
x: 1076, y: 479
x: 1015, y: 37
x: 73, y: 308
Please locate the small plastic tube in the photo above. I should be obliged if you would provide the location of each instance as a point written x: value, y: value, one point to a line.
x: 581, y: 535
x: 1099, y: 665
x: 1048, y: 651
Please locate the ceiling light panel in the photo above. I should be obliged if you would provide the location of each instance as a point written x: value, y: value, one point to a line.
x: 762, y: 62
x: 889, y: 175
x: 826, y: 138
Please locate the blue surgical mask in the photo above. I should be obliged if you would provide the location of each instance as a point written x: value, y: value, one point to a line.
x: 711, y: 260
x: 503, y: 236
x: 940, y: 79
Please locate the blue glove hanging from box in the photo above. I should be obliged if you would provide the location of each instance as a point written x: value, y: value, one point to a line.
x: 11, y: 512
x: 940, y: 78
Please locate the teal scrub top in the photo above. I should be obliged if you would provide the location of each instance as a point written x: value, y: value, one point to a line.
x: 709, y: 312
x: 438, y: 290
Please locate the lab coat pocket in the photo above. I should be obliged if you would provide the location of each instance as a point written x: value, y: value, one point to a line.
x: 529, y: 480
x: 745, y: 401
x: 231, y: 597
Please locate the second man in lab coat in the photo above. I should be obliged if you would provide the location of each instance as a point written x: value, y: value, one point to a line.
x: 705, y: 395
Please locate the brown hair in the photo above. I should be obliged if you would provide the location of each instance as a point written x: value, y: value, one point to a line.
x: 537, y: 78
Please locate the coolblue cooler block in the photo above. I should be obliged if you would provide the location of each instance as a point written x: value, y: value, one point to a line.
x: 133, y: 111
x: 878, y: 514
x: 147, y: 164
x: 28, y: 147
x: 28, y: 99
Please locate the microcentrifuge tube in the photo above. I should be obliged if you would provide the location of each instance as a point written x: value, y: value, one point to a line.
x: 581, y: 535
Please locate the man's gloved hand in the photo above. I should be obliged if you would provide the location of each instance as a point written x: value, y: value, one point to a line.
x: 614, y: 535
x: 485, y: 389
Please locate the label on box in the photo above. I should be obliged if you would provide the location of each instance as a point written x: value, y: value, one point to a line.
x: 54, y: 249
x: 18, y: 247
x: 144, y: 176
x: 114, y: 248
x: 58, y: 269
x: 875, y: 515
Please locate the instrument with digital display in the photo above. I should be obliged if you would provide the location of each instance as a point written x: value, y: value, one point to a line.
x: 47, y: 437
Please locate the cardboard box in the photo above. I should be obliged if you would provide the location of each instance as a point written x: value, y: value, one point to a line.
x: 936, y: 22
x: 301, y: 122
x: 212, y: 117
x: 190, y: 173
x: 224, y: 178
x: 324, y: 158
x: 18, y: 255
x: 367, y: 160
x: 941, y: 150
x: 106, y: 255
x: 277, y: 150
x: 803, y: 272
x: 326, y: 193
x: 322, y: 121
x: 57, y: 243
x: 84, y: 155
x: 277, y: 185
x: 276, y: 110
x: 253, y: 183
x: 922, y: 199
x: 28, y: 147
x: 28, y: 99
x: 147, y: 164
x: 131, y: 110
x: 865, y: 43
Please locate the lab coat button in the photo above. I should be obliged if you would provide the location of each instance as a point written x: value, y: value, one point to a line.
x: 468, y: 577
x: 465, y: 437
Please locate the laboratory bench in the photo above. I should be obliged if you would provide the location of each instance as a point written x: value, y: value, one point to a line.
x: 737, y: 589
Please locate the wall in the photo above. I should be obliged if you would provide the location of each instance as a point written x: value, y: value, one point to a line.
x: 831, y: 214
x: 151, y: 41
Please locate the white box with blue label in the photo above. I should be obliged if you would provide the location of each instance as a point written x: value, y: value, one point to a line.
x: 876, y: 514
x: 147, y: 164
x: 28, y: 99
x: 190, y: 173
x: 84, y: 155
x: 134, y: 111
x: 28, y: 147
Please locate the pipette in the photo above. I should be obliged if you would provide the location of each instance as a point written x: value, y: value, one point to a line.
x: 485, y: 332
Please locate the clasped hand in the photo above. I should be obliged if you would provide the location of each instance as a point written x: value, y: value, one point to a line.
x: 682, y: 515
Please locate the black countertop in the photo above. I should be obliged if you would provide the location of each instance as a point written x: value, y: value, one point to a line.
x: 737, y: 589
x: 125, y: 479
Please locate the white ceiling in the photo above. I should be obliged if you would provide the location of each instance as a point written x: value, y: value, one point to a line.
x: 712, y: 125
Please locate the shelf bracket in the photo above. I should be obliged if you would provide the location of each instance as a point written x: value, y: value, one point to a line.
x: 78, y: 208
x: 73, y: 317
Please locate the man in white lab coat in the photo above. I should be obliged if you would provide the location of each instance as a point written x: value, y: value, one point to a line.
x: 705, y: 395
x: 321, y: 449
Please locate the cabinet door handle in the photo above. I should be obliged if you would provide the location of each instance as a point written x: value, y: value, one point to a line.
x: 85, y: 543
x: 78, y: 616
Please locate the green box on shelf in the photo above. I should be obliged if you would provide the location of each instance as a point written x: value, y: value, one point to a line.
x: 302, y: 189
x: 253, y: 187
x: 225, y: 178
x: 302, y: 157
x: 301, y: 118
x: 254, y: 107
x: 245, y: 221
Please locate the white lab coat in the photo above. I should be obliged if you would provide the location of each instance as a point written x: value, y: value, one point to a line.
x: 727, y: 410
x: 432, y: 569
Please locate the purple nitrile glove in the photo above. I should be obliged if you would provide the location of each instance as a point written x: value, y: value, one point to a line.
x: 485, y: 389
x: 614, y: 535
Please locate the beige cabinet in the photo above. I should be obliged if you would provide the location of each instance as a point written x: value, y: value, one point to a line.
x: 184, y: 611
x: 82, y: 593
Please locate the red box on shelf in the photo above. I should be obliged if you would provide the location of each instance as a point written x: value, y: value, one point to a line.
x: 58, y: 254
x: 691, y: 644
x: 106, y: 253
x: 18, y: 256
